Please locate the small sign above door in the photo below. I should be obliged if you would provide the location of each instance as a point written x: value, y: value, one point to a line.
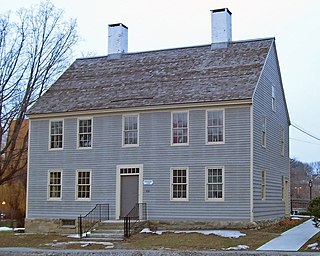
x: 148, y: 182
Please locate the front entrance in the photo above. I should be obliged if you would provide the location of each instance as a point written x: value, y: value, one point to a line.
x: 129, y: 188
x: 129, y: 193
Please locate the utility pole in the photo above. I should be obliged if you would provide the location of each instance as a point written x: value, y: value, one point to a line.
x: 310, y: 187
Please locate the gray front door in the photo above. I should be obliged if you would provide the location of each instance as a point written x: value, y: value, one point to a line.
x: 129, y: 193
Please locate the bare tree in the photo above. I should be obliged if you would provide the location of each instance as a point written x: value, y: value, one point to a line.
x: 315, y: 168
x: 300, y: 174
x: 35, y: 47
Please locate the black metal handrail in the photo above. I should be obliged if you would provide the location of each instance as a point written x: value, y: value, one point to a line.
x: 99, y: 213
x: 137, y: 213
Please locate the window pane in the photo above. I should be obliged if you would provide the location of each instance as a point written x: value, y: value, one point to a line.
x: 130, y: 130
x: 56, y: 130
x: 214, y: 183
x: 54, y: 184
x: 85, y: 136
x: 180, y: 128
x: 179, y: 183
x: 215, y: 126
x: 84, y: 184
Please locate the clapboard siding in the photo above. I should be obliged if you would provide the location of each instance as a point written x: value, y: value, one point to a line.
x: 269, y: 159
x: 156, y: 155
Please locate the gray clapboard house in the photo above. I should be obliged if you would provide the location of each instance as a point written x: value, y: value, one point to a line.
x: 196, y: 133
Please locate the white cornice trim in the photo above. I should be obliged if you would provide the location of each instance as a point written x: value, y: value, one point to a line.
x: 232, y: 103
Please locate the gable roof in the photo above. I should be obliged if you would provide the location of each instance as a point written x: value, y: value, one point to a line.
x: 156, y: 78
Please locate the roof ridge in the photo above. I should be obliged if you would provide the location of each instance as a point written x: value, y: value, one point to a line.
x: 179, y: 48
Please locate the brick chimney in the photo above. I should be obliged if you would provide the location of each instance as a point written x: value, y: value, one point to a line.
x: 221, y: 27
x: 117, y: 38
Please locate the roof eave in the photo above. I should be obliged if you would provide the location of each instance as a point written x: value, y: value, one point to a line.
x: 224, y: 103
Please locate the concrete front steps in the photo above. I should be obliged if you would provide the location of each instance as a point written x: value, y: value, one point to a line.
x: 111, y: 230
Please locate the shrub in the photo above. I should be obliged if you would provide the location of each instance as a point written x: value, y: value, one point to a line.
x: 314, y: 209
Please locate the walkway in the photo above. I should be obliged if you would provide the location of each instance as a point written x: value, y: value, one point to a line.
x: 293, y: 239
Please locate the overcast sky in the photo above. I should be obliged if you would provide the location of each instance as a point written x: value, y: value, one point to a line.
x: 176, y: 23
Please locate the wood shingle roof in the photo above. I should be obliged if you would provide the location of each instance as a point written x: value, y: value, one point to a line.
x: 156, y: 78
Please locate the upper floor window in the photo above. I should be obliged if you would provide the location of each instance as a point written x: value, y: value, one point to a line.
x: 83, y: 184
x: 264, y: 131
x: 214, y: 183
x: 54, y: 184
x: 56, y: 134
x: 180, y: 124
x: 215, y: 126
x: 282, y: 142
x: 130, y: 130
x: 273, y: 100
x: 85, y: 133
x: 263, y: 185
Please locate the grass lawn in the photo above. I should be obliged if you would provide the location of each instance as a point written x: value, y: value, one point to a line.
x: 254, y: 239
x: 194, y: 241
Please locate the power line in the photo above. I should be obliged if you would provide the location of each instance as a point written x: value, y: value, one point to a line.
x: 304, y: 141
x: 304, y: 131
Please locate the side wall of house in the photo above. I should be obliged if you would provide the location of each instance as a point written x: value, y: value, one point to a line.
x: 269, y: 158
x: 157, y: 157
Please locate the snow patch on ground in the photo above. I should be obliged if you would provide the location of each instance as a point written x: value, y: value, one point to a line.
x: 314, y: 246
x: 239, y: 247
x: 10, y: 229
x: 108, y: 245
x: 78, y: 236
x: 5, y: 229
x: 222, y: 233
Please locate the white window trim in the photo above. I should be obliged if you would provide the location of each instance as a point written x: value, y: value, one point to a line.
x: 224, y: 127
x: 76, y: 183
x: 48, y: 185
x: 264, y: 186
x: 138, y: 131
x: 171, y: 183
x: 171, y: 128
x: 49, y: 144
x: 264, y: 142
x: 78, y: 121
x: 223, y: 184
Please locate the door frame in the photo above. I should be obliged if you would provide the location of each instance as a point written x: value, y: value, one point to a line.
x: 118, y: 185
x: 287, y: 204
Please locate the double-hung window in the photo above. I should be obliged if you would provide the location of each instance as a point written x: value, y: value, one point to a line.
x: 56, y: 134
x: 83, y: 184
x: 85, y: 133
x: 130, y: 130
x: 215, y: 126
x: 54, y: 184
x: 214, y: 183
x: 180, y: 128
x: 179, y: 184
